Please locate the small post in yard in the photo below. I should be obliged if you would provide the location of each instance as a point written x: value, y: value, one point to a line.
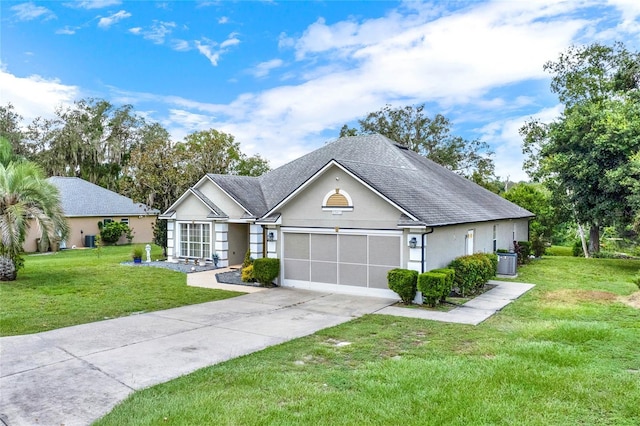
x: 148, y: 249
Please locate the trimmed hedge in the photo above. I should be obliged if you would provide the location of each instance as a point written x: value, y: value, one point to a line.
x: 265, y: 270
x: 450, y: 277
x: 473, y: 271
x: 403, y: 282
x: 431, y: 284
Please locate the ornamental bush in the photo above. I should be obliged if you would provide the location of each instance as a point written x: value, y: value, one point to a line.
x: 473, y: 271
x: 112, y: 231
x: 523, y: 250
x: 247, y: 274
x: 450, y: 275
x: 265, y: 270
x: 403, y: 282
x: 431, y: 285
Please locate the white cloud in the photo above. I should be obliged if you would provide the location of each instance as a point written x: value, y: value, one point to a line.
x: 232, y: 40
x: 156, y: 33
x: 505, y: 136
x: 223, y: 20
x: 465, y: 61
x: 630, y: 10
x: 180, y: 45
x: 213, y: 50
x: 29, y: 11
x: 106, y: 22
x: 208, y: 52
x: 93, y: 4
x: 35, y: 96
x: 67, y: 30
x: 264, y: 68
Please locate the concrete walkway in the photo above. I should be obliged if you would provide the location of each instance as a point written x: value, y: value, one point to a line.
x: 75, y: 375
x: 474, y: 311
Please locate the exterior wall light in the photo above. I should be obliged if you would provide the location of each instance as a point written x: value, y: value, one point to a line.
x: 413, y: 242
x: 270, y: 236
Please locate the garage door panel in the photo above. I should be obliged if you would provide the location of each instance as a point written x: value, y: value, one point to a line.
x: 296, y: 246
x: 353, y: 248
x: 296, y: 270
x: 349, y: 259
x: 384, y: 250
x: 378, y: 276
x: 353, y: 274
x: 324, y: 247
x: 324, y: 272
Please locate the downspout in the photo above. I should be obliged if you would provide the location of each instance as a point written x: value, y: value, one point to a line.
x: 424, y: 234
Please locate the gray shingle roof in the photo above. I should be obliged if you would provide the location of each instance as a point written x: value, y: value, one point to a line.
x: 82, y: 198
x: 246, y: 190
x: 434, y: 195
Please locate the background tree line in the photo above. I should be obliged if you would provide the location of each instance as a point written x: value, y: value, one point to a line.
x: 116, y: 148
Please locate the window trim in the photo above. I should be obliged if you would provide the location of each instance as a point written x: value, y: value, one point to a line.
x: 189, y: 243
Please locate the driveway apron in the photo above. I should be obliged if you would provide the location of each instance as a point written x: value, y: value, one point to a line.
x: 75, y: 375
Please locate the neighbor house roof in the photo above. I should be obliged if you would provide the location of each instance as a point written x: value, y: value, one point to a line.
x: 431, y: 194
x: 82, y: 198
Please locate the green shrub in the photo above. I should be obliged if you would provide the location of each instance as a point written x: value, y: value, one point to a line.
x: 577, y: 248
x: 473, y: 271
x: 403, y: 282
x: 636, y: 280
x: 247, y: 275
x: 112, y: 231
x: 538, y: 246
x: 265, y: 270
x: 493, y: 258
x: 431, y: 285
x: 450, y: 275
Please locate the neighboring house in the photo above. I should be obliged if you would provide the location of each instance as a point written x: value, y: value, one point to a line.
x: 340, y: 217
x: 85, y: 204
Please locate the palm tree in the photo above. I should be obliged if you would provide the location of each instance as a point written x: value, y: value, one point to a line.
x: 26, y: 199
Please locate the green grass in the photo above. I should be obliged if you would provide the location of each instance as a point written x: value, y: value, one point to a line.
x: 565, y: 353
x: 78, y: 286
x: 559, y: 251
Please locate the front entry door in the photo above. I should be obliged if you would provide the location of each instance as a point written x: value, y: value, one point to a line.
x: 469, y: 238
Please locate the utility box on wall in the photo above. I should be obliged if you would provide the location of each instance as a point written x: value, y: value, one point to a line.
x: 507, y: 264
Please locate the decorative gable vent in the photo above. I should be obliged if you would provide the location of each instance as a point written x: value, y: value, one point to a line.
x: 337, y: 202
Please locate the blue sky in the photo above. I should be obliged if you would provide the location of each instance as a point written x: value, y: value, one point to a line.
x: 283, y: 76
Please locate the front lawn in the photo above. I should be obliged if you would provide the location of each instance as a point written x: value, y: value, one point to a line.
x: 78, y: 286
x: 565, y: 353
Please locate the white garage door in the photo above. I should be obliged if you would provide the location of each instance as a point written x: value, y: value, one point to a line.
x: 351, y: 262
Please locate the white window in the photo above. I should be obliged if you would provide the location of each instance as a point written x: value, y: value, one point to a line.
x: 195, y: 240
x: 125, y: 220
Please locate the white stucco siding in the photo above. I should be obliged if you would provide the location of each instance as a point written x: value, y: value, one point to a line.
x: 370, y: 211
x: 191, y: 209
x: 448, y: 242
x: 229, y: 206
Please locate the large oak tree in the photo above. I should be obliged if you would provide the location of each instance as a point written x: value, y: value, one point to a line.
x: 585, y: 155
x: 431, y: 137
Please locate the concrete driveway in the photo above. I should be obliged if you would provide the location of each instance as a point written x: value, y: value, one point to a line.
x: 75, y: 375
